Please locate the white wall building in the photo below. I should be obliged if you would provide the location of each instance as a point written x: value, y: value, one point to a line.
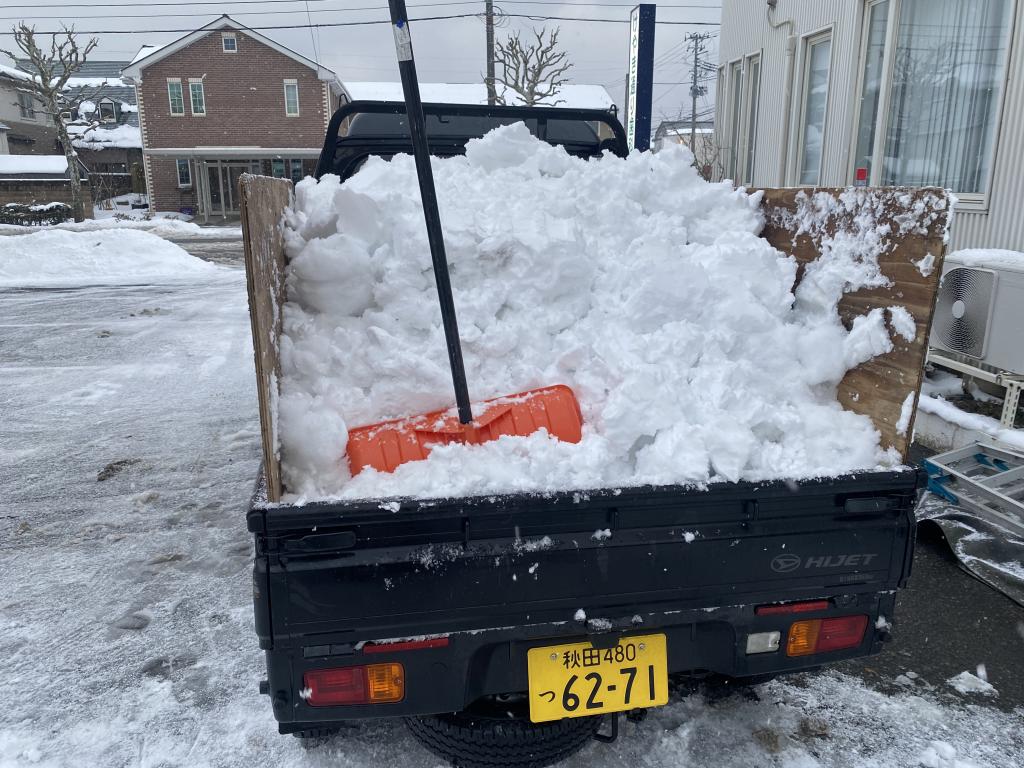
x: 880, y: 92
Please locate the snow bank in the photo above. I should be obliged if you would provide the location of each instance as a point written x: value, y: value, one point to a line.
x: 632, y: 280
x: 60, y: 258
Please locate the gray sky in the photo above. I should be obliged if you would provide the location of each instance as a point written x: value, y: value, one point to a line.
x: 450, y: 50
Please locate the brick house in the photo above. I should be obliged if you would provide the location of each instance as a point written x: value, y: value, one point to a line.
x: 222, y: 101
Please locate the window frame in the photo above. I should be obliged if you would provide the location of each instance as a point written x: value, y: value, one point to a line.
x: 192, y: 83
x: 188, y: 168
x: 750, y: 122
x: 807, y: 42
x: 224, y: 37
x: 113, y: 110
x: 291, y: 170
x: 294, y: 84
x: 734, y: 112
x: 27, y: 106
x: 975, y: 202
x: 278, y: 162
x: 181, y: 94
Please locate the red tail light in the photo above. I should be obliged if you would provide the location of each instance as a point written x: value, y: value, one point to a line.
x: 372, y: 684
x: 840, y: 633
x: 804, y: 607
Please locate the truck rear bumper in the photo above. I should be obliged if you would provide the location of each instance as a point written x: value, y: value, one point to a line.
x: 449, y: 678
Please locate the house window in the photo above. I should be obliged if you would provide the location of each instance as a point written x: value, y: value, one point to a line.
x: 291, y: 98
x: 296, y: 171
x: 277, y: 169
x: 229, y: 42
x: 197, y: 96
x: 108, y: 113
x: 735, y: 116
x: 817, y: 59
x: 174, y: 96
x: 933, y: 79
x: 184, y: 173
x: 27, y: 106
x: 65, y: 117
x: 750, y: 140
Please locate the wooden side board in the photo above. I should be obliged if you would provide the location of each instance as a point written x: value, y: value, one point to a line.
x: 800, y: 222
x: 263, y: 202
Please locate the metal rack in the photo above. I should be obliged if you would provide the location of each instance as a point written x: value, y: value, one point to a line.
x: 986, y: 480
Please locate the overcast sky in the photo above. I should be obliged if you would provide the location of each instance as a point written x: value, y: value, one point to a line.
x: 449, y: 50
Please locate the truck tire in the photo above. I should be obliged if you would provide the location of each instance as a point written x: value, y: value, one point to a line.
x: 474, y: 741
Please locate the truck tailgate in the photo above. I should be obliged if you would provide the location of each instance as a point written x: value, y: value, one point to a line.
x: 348, y: 573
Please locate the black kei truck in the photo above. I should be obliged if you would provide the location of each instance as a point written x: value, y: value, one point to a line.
x: 510, y: 630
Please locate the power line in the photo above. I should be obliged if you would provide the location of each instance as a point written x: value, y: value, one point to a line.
x: 221, y: 3
x: 326, y: 25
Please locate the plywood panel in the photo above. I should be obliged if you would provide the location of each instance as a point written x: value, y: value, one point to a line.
x: 263, y: 202
x: 878, y: 388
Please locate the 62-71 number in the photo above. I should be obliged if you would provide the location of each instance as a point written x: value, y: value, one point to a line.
x: 594, y: 682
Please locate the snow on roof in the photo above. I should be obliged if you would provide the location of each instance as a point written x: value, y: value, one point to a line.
x: 144, y: 51
x: 91, y: 82
x: 573, y: 95
x: 13, y: 73
x: 51, y: 164
x: 98, y: 137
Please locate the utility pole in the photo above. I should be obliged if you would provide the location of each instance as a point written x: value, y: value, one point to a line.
x: 697, y: 41
x: 492, y: 95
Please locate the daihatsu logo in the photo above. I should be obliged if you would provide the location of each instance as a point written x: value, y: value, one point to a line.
x: 785, y: 563
x: 788, y: 563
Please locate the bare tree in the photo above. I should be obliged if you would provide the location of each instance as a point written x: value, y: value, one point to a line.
x: 54, y: 67
x: 534, y: 70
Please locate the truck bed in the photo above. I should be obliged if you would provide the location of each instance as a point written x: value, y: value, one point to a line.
x: 497, y: 575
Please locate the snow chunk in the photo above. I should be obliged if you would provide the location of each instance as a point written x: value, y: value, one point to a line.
x: 580, y: 615
x: 601, y: 534
x: 903, y: 323
x: 906, y: 412
x: 940, y: 754
x: 966, y: 683
x: 925, y: 265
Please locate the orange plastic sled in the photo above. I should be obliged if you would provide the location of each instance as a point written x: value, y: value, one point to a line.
x: 387, y: 444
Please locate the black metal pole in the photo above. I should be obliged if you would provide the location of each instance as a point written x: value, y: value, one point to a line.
x: 421, y: 151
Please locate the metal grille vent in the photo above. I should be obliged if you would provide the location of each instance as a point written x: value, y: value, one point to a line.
x: 963, y: 309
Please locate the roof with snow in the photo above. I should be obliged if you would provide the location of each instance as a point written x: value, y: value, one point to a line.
x: 13, y: 74
x: 103, y: 137
x: 576, y: 96
x: 50, y: 165
x: 150, y: 54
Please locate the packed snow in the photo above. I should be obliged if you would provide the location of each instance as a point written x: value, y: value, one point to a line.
x: 126, y: 626
x: 644, y: 288
x: 60, y: 258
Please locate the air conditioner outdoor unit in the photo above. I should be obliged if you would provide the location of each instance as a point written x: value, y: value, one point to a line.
x: 979, y: 312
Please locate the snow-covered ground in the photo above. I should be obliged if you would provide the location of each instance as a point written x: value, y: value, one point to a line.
x: 125, y: 615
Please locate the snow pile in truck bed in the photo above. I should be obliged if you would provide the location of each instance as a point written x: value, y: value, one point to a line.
x: 644, y: 288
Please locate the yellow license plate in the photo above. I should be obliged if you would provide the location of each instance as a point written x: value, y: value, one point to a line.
x: 578, y: 680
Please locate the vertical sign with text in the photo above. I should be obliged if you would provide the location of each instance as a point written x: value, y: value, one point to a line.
x: 640, y: 82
